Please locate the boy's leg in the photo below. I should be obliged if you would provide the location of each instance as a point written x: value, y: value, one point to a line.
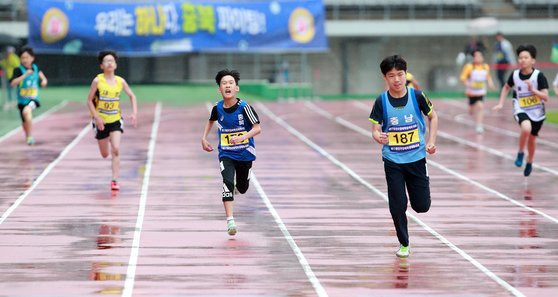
x: 532, y: 146
x: 104, y: 147
x: 418, y: 185
x: 27, y: 117
x: 227, y: 172
x: 525, y: 130
x: 115, y: 137
x: 479, y: 112
x: 243, y: 176
x: 397, y: 200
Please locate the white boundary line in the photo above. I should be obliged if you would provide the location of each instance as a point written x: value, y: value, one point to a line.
x: 367, y: 133
x: 132, y: 263
x: 36, y: 120
x: 45, y: 172
x: 292, y: 243
x: 357, y: 177
x: 300, y: 256
x: 476, y: 146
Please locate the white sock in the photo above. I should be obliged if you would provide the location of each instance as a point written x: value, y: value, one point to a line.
x: 230, y: 218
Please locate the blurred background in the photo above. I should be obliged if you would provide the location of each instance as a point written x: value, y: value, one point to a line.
x: 431, y: 34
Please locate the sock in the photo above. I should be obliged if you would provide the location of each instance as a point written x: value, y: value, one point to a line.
x: 230, y: 218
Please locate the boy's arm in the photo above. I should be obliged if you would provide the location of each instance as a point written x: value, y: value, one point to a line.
x: 43, y: 78
x: 205, y: 144
x: 133, y: 100
x: 377, y: 134
x: 92, y: 90
x: 16, y: 80
x: 503, y: 94
x: 433, y: 129
x: 256, y: 129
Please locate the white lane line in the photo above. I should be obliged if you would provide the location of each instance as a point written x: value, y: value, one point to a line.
x: 300, y: 256
x: 358, y: 178
x: 45, y: 172
x: 292, y: 243
x: 132, y: 263
x: 368, y: 134
x: 476, y: 145
x: 459, y: 119
x: 36, y: 120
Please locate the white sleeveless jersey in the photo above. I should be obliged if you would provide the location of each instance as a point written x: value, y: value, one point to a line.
x: 526, y: 101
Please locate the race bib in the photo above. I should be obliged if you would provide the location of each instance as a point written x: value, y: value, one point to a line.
x: 403, y: 138
x: 529, y: 101
x: 109, y: 105
x: 226, y: 138
x: 479, y: 85
x: 29, y: 93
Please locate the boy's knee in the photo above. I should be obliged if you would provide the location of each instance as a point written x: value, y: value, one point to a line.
x: 242, y: 188
x: 115, y: 151
x: 104, y: 155
x: 422, y: 207
x: 228, y: 190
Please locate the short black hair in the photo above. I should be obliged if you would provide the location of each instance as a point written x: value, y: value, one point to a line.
x: 235, y: 74
x: 27, y: 50
x: 103, y: 54
x: 476, y: 50
x: 527, y: 48
x: 391, y: 62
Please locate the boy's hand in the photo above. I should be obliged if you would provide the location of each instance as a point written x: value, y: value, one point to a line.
x: 497, y: 107
x: 99, y: 124
x: 206, y: 145
x: 383, y: 139
x: 236, y: 139
x: 529, y: 84
x: 28, y: 72
x: 134, y: 119
x: 430, y: 148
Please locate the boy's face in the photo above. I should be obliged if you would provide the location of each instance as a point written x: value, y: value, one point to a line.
x: 109, y: 63
x: 525, y: 60
x: 478, y: 58
x: 395, y: 79
x: 27, y: 60
x: 228, y: 87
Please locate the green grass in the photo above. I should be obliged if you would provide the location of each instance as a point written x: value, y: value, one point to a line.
x: 552, y: 116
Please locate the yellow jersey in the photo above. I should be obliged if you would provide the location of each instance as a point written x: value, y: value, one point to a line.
x: 107, y: 100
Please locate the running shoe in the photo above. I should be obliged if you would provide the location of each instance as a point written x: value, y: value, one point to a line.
x: 519, y: 159
x: 479, y: 129
x: 231, y: 227
x: 114, y: 186
x: 30, y: 140
x: 528, y: 169
x: 403, y: 251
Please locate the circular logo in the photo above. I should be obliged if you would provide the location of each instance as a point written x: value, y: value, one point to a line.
x: 301, y: 25
x: 54, y: 25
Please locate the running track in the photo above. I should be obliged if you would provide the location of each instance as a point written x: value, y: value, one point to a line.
x: 314, y: 222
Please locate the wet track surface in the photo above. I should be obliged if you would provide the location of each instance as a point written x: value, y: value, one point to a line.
x: 72, y: 237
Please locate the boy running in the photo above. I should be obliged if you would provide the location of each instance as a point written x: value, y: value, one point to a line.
x: 27, y: 77
x: 399, y: 126
x: 103, y: 102
x: 475, y: 76
x: 530, y: 92
x: 237, y: 124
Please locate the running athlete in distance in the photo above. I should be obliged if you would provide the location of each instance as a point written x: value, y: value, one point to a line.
x: 103, y: 102
x: 237, y: 124
x: 27, y: 78
x: 530, y: 92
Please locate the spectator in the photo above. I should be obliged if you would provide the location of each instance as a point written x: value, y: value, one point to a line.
x: 8, y: 64
x: 503, y: 57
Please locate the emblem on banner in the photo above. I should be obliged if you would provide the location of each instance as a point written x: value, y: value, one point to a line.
x: 301, y: 26
x: 54, y: 25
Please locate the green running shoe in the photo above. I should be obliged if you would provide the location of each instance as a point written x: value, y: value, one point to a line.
x: 403, y: 251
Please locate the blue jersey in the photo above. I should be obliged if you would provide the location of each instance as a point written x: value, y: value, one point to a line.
x: 234, y: 124
x: 28, y: 88
x: 405, y: 127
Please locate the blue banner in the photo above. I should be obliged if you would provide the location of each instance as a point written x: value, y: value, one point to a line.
x: 166, y: 27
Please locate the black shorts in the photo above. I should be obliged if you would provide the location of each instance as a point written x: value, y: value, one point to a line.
x: 535, y: 126
x: 110, y: 127
x: 475, y: 99
x: 33, y: 104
